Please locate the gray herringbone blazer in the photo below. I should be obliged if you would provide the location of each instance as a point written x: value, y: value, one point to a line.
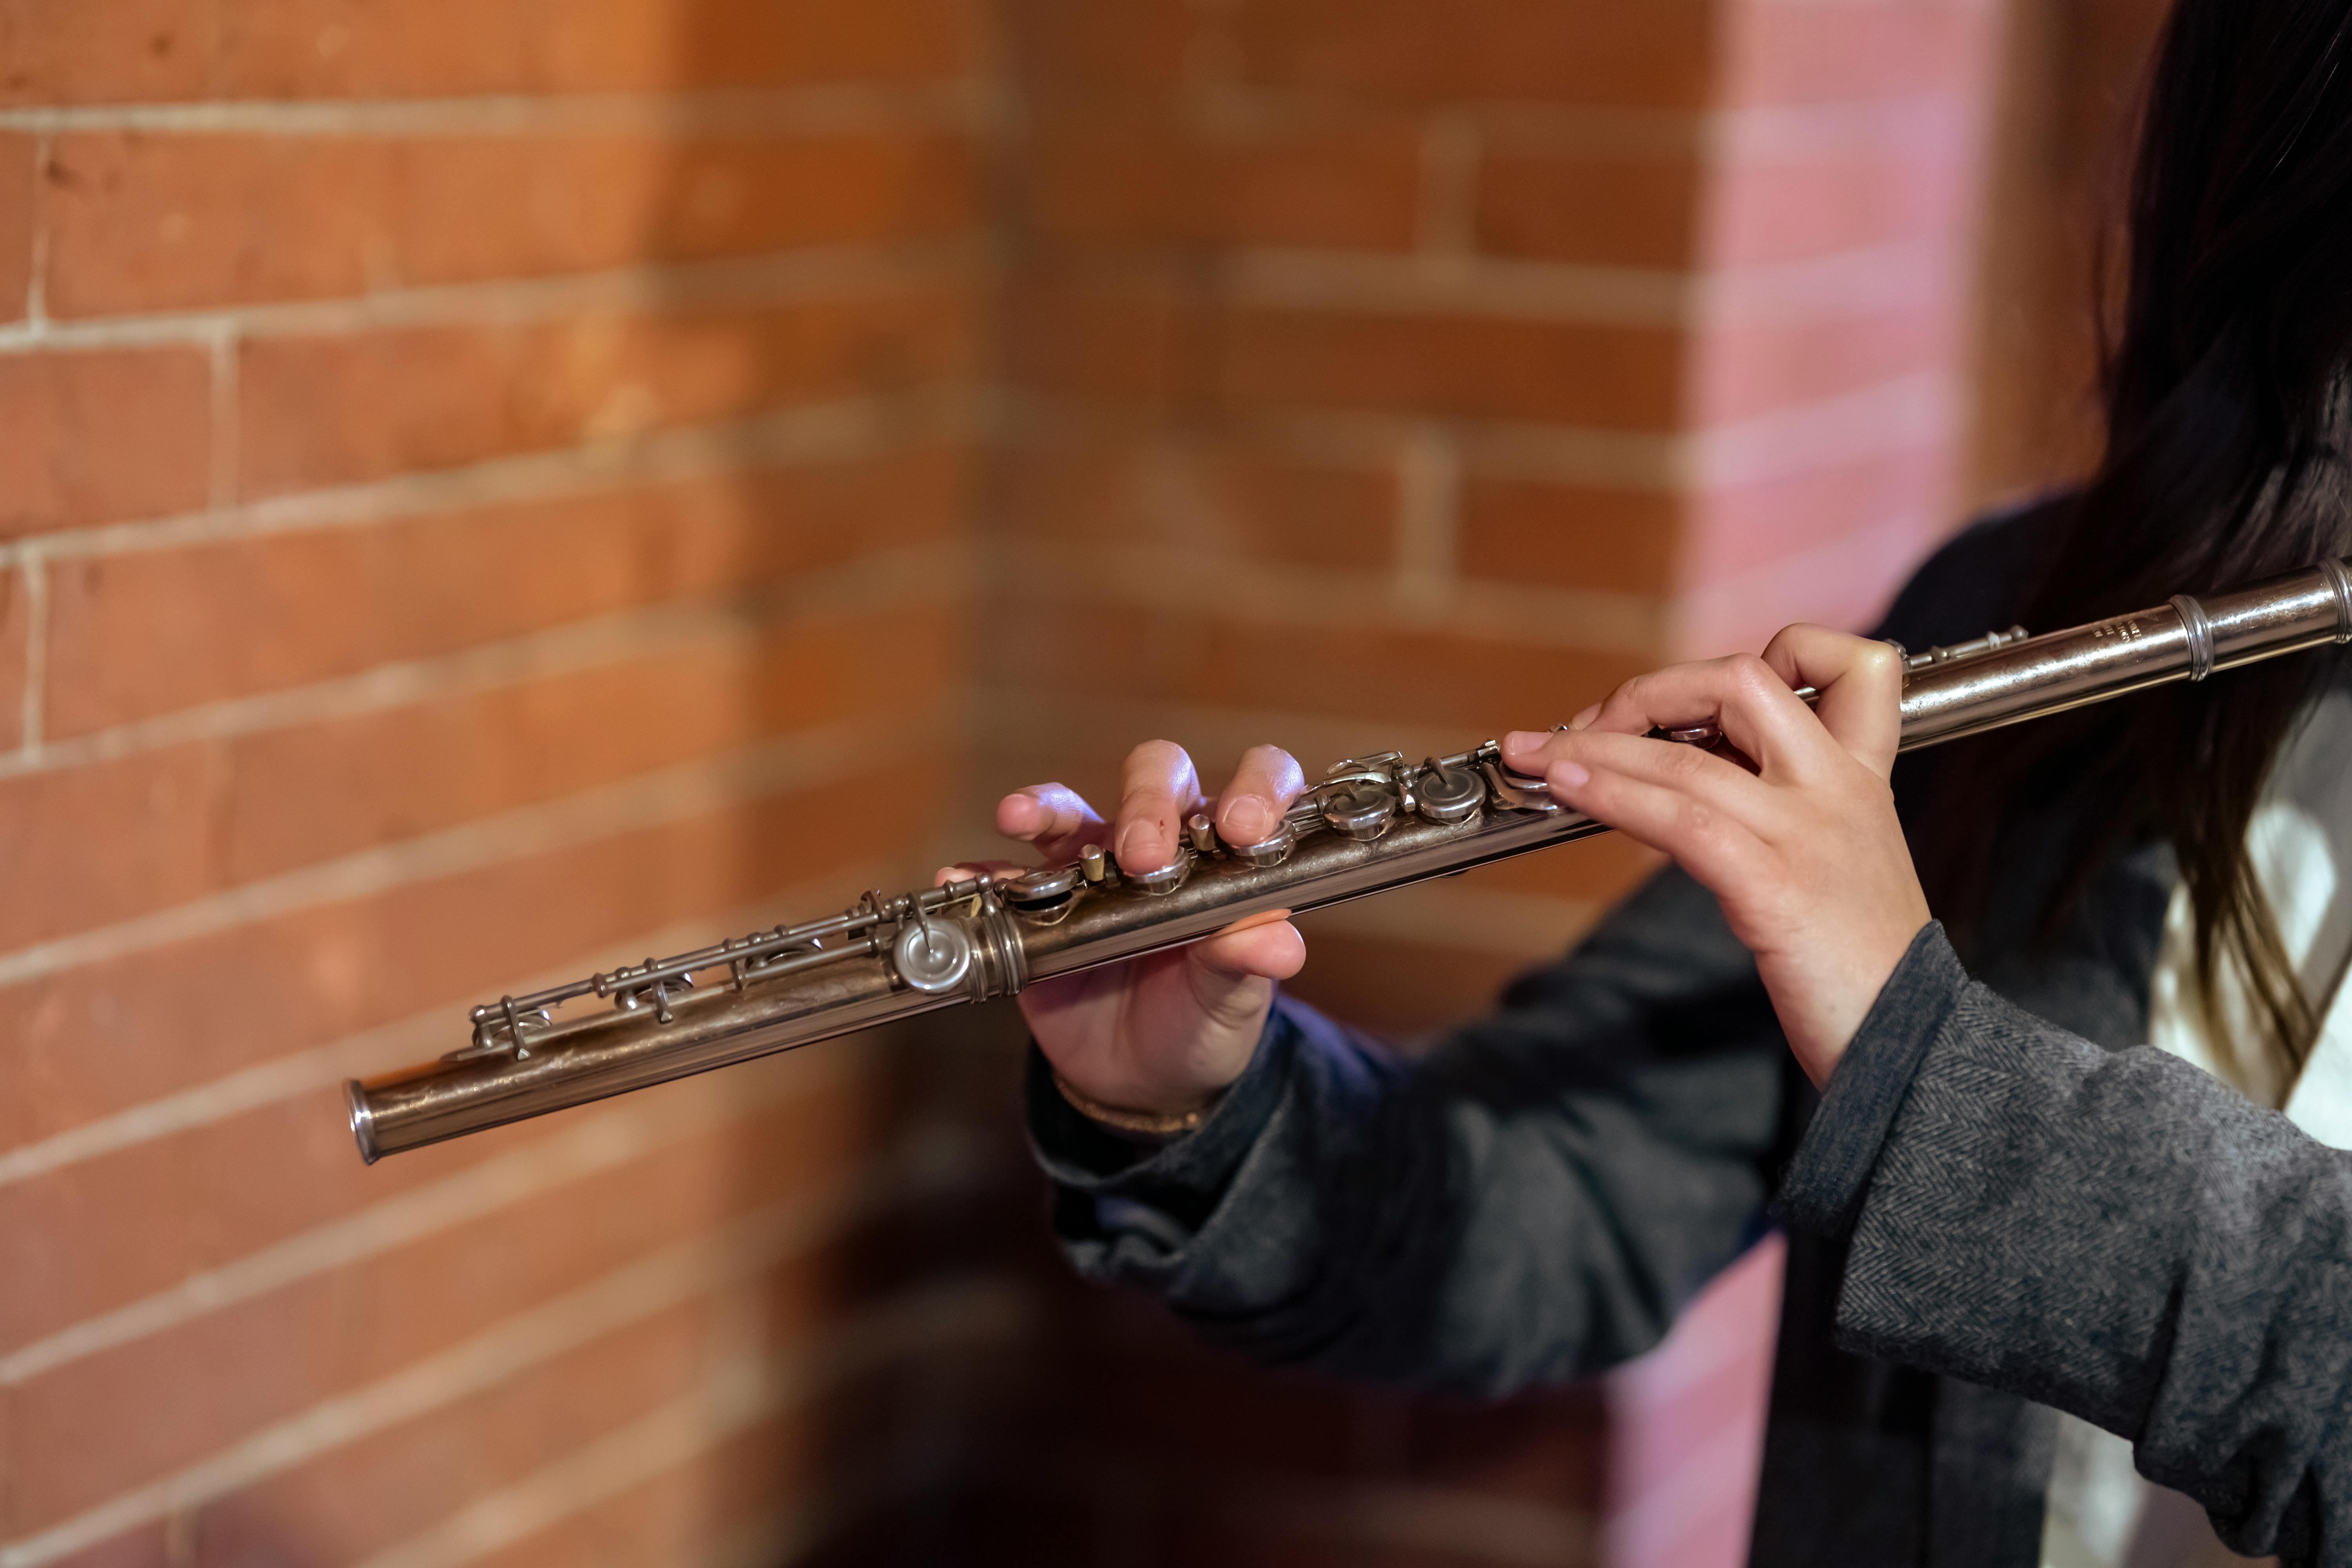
x: 1999, y: 1201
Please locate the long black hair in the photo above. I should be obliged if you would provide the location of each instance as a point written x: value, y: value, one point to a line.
x: 2226, y: 399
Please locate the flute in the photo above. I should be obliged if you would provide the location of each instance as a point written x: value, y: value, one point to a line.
x: 1373, y: 823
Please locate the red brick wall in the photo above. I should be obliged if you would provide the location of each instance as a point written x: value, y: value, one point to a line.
x: 490, y: 490
x: 474, y: 482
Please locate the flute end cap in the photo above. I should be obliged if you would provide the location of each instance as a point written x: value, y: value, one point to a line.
x: 363, y: 1121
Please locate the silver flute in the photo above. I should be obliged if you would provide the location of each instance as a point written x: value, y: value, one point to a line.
x: 1372, y: 823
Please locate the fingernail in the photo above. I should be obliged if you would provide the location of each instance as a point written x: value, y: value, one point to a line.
x: 1250, y: 819
x: 1130, y: 849
x: 1522, y: 742
x: 1570, y: 775
x: 1584, y: 720
x: 945, y: 874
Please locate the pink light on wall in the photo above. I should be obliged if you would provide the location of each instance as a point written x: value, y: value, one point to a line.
x: 1689, y: 1426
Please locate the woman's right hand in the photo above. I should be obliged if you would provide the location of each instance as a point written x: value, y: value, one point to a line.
x: 1162, y: 1033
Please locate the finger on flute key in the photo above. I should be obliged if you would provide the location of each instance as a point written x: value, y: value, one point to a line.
x: 1158, y: 791
x: 1054, y: 817
x: 1250, y: 808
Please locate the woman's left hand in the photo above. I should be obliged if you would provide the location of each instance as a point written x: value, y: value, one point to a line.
x: 1804, y: 853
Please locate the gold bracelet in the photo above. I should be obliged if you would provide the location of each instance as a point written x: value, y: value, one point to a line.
x: 1150, y: 1124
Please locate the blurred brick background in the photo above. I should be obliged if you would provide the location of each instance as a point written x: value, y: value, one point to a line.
x: 492, y: 491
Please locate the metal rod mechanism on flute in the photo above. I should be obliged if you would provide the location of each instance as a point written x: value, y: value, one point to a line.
x: 1372, y: 823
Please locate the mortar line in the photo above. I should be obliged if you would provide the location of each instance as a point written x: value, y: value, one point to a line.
x: 36, y: 285
x: 1868, y: 127
x: 31, y: 715
x: 1860, y: 281
x: 667, y: 797
x: 221, y: 478
x: 735, y: 1396
x: 603, y: 1140
x: 967, y: 103
x: 493, y: 1357
x: 1178, y: 582
x: 400, y: 1043
x: 887, y: 582
x: 805, y: 275
x: 778, y: 438
x: 727, y: 1399
x: 961, y: 103
x: 1838, y: 428
x: 1871, y: 128
x: 1429, y: 505
x: 1897, y: 414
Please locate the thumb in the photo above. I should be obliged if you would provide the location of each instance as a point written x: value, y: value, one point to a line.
x: 1231, y: 971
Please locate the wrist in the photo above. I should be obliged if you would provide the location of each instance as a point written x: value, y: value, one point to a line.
x: 1843, y: 1001
x: 1136, y: 1121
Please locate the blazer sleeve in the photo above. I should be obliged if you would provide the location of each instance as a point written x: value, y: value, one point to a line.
x: 2115, y: 1233
x: 1533, y: 1200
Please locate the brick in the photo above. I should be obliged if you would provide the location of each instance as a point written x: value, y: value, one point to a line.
x: 1624, y: 211
x: 1741, y: 529
x: 1750, y: 371
x: 790, y: 1466
x: 101, y: 436
x: 216, y: 1192
x: 80, y: 847
x: 150, y: 50
x: 141, y: 221
x: 1586, y: 52
x: 147, y: 1546
x: 201, y: 818
x: 1845, y: 583
x: 1140, y: 337
x: 1566, y: 536
x: 1790, y: 52
x: 1085, y: 48
x: 1428, y: 678
x: 1137, y: 178
x: 383, y: 1489
x: 428, y: 1293
x: 1480, y: 367
x: 606, y: 200
x: 514, y: 1427
x: 357, y: 1498
x: 123, y: 1226
x: 305, y: 795
x: 1791, y: 210
x: 113, y: 1033
x: 327, y: 410
x: 305, y: 47
x: 418, y: 1469
x: 145, y: 222
x: 152, y: 632
x: 1221, y: 499
x: 16, y: 606
x: 139, y: 49
x: 18, y: 181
